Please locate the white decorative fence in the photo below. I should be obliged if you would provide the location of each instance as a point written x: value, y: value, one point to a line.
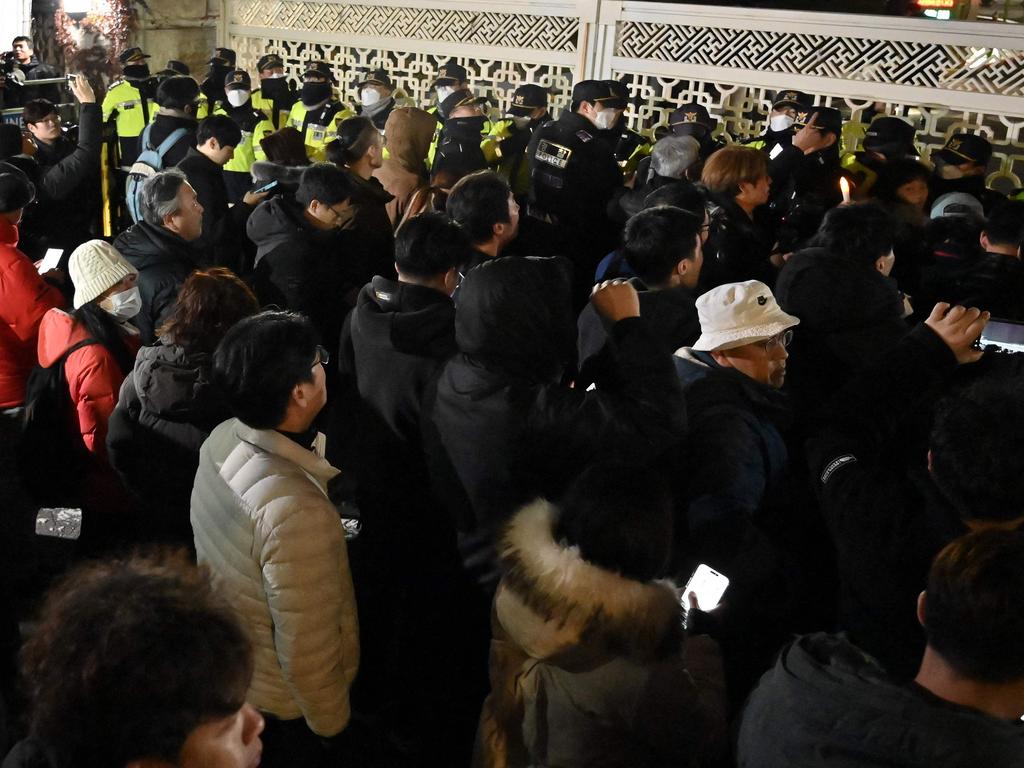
x: 945, y: 76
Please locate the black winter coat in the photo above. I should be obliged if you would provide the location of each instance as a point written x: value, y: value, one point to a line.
x: 371, y: 237
x: 738, y: 248
x: 827, y: 704
x: 164, y: 260
x: 991, y: 281
x: 301, y: 268
x: 886, y: 517
x: 849, y: 314
x: 510, y: 429
x: 671, y: 316
x: 166, y: 409
x: 223, y: 227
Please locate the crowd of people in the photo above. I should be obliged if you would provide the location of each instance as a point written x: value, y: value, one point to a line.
x: 410, y: 437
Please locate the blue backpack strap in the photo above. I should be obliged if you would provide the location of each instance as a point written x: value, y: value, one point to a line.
x: 144, y: 143
x: 169, y: 142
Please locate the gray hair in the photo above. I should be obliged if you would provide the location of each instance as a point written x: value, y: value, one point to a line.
x: 160, y: 196
x: 672, y: 155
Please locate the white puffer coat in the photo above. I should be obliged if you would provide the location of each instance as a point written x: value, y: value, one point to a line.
x: 275, y: 545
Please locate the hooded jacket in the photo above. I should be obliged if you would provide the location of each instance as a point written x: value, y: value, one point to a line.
x: 93, y: 376
x: 849, y: 314
x: 24, y: 299
x: 370, y: 235
x: 828, y: 704
x: 589, y: 668
x: 508, y: 426
x: 274, y: 543
x: 409, y: 133
x: 301, y: 268
x: 164, y: 260
x: 167, y: 407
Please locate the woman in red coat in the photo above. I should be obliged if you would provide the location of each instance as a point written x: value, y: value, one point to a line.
x: 106, y: 297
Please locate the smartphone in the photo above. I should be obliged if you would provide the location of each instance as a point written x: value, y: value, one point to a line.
x: 266, y: 187
x: 70, y: 78
x: 1003, y: 335
x: 708, y: 585
x: 49, y: 261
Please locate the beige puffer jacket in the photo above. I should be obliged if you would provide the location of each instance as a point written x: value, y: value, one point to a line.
x: 274, y: 543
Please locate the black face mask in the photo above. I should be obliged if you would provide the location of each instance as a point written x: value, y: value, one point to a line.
x: 315, y: 93
x: 466, y: 126
x: 137, y: 71
x: 275, y: 88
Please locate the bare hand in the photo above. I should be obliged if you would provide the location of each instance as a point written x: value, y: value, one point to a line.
x: 252, y: 199
x: 82, y: 90
x: 810, y: 138
x: 615, y: 300
x: 55, y: 275
x: 959, y: 328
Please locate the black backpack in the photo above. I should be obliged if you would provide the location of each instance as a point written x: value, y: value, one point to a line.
x: 51, y: 459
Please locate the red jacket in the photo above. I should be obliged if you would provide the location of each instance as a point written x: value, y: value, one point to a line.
x: 94, y: 378
x: 24, y: 298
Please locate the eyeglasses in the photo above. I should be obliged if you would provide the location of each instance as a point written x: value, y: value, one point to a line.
x: 50, y: 120
x: 323, y: 357
x: 338, y: 215
x: 778, y: 340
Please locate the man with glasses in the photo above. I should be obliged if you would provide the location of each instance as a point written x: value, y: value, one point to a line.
x: 301, y: 249
x: 734, y: 468
x: 265, y: 527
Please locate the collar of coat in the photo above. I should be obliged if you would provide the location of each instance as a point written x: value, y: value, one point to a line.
x: 312, y: 462
x: 552, y: 599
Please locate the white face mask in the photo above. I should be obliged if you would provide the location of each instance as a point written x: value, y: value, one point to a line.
x: 443, y: 92
x: 237, y: 97
x: 605, y: 119
x: 124, y: 305
x: 520, y: 122
x: 274, y: 76
x: 780, y: 122
x: 369, y: 96
x: 949, y: 172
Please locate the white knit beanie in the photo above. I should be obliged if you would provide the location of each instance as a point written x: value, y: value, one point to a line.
x: 95, y: 267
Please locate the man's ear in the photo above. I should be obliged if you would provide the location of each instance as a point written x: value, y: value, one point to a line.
x: 299, y: 394
x: 921, y: 599
x: 721, y: 358
x: 983, y: 239
x: 832, y: 140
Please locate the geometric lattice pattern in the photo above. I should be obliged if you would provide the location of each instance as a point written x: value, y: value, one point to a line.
x: 412, y: 73
x: 742, y: 109
x: 506, y: 30
x: 930, y: 65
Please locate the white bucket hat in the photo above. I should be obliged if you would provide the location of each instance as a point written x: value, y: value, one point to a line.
x: 735, y: 314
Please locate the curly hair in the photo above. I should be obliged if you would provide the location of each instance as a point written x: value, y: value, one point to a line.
x: 129, y: 657
x: 209, y: 303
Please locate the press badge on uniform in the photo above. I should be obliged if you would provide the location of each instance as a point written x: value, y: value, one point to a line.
x: 553, y: 154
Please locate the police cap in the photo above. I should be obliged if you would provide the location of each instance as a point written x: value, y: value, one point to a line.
x: 794, y: 99
x: 451, y: 73
x: 377, y: 77
x: 238, y: 80
x: 527, y: 98
x: 691, y: 113
x: 132, y: 56
x: 461, y: 98
x: 966, y: 148
x: 827, y: 119
x: 319, y: 70
x: 269, y: 61
x: 597, y: 92
x: 222, y: 57
x: 890, y: 136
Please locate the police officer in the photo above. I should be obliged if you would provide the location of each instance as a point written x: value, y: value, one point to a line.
x: 254, y: 126
x: 629, y: 146
x: 693, y: 119
x: 131, y: 104
x: 887, y: 139
x: 222, y: 62
x: 317, y: 113
x: 460, y: 150
x: 573, y: 176
x: 960, y: 166
x: 276, y: 95
x: 783, y: 115
x: 528, y: 110
x: 376, y: 97
x: 451, y: 77
x: 173, y: 68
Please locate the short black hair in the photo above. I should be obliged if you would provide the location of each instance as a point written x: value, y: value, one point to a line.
x: 974, y: 606
x: 656, y: 239
x: 355, y: 137
x: 36, y: 109
x: 129, y: 656
x: 977, y: 449
x: 861, y: 232
x: 326, y: 183
x: 429, y: 245
x: 177, y: 92
x: 895, y: 173
x: 22, y: 39
x: 1005, y: 225
x: 260, y: 360
x: 620, y: 517
x: 478, y: 202
x: 219, y: 127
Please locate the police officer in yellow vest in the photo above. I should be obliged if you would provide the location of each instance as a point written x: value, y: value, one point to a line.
x: 451, y: 77
x: 130, y: 104
x: 781, y: 120
x: 887, y: 138
x: 317, y: 113
x: 253, y: 124
x: 276, y: 95
x: 528, y: 110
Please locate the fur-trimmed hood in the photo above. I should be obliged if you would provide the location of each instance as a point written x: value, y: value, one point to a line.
x: 551, y: 599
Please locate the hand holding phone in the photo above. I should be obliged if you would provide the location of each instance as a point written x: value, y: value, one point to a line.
x: 707, y: 587
x: 266, y: 187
